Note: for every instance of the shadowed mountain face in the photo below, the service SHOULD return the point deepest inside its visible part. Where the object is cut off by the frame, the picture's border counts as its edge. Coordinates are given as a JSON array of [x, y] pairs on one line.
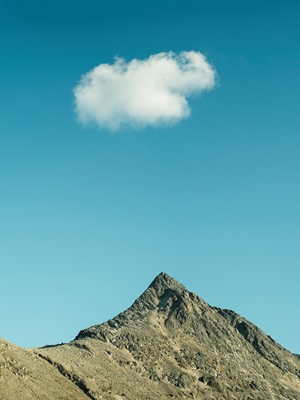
[[171, 344]]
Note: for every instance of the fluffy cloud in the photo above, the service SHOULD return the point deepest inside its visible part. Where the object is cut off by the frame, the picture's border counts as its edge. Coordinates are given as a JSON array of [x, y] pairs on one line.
[[142, 92]]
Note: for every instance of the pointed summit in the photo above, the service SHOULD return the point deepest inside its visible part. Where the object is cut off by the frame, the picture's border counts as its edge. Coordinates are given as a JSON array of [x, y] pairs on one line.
[[165, 301], [163, 295], [163, 282]]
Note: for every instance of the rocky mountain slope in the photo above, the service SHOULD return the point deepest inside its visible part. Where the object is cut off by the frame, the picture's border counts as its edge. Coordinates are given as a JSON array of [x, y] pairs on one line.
[[25, 375], [169, 344]]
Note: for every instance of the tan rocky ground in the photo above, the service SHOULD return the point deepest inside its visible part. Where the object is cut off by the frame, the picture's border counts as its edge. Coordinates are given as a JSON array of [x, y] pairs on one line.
[[169, 344], [24, 375]]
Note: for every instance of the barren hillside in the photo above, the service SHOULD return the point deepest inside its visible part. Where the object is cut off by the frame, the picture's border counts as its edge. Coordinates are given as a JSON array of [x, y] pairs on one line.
[[168, 344]]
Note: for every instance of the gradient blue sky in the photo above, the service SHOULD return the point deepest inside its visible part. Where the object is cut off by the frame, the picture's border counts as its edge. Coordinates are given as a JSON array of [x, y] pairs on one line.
[[88, 218]]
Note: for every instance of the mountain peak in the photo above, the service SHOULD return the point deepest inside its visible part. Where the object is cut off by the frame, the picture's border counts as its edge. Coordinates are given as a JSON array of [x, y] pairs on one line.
[[171, 343], [163, 295], [163, 281]]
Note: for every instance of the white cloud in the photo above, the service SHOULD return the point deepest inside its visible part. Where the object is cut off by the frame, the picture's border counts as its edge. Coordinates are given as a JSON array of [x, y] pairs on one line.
[[142, 92]]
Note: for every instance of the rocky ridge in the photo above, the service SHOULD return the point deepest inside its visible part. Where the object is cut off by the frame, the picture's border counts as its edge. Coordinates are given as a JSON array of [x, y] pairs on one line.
[[172, 344]]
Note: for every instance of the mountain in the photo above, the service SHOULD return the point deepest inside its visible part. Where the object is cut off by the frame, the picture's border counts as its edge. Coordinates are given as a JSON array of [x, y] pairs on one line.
[[169, 344]]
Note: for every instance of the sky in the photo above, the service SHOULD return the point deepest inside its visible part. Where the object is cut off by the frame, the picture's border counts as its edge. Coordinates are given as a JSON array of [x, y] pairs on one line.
[[140, 137]]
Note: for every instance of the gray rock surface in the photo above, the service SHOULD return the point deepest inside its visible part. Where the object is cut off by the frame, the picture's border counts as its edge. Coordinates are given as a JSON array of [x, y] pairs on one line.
[[172, 344], [168, 344]]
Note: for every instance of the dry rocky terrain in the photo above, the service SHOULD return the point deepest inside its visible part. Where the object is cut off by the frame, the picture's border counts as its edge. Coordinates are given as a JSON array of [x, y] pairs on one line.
[[168, 344], [25, 375]]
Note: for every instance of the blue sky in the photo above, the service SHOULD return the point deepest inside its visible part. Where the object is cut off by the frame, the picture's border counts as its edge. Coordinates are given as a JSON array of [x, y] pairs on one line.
[[88, 217]]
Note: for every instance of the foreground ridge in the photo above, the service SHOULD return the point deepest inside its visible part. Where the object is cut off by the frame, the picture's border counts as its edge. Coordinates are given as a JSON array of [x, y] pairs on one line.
[[172, 344]]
